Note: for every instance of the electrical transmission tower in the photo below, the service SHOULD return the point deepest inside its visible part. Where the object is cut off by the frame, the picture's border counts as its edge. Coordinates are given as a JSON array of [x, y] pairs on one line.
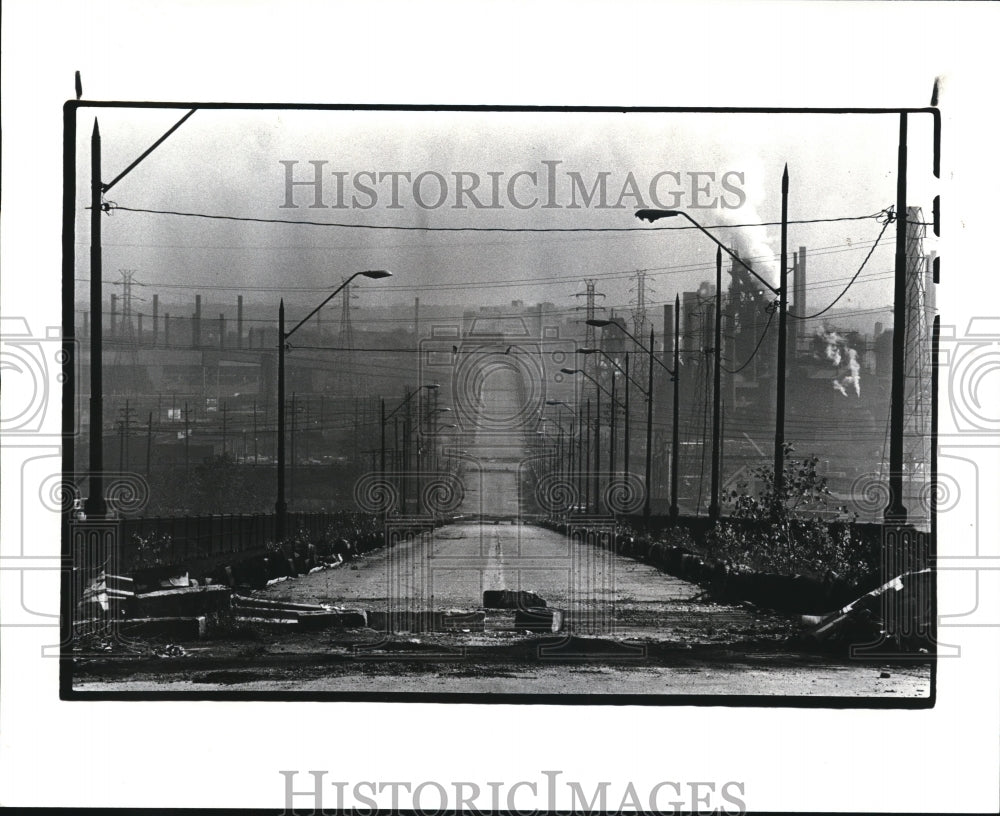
[[639, 317], [589, 339], [125, 376], [640, 324], [919, 326]]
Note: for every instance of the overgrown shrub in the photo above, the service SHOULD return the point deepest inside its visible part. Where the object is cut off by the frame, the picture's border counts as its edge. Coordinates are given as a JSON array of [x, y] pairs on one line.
[[793, 530]]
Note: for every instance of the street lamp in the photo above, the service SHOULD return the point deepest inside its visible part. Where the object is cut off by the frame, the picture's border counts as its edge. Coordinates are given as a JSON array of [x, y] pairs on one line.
[[280, 506], [628, 379], [601, 323], [386, 417], [782, 293], [570, 467], [564, 464], [597, 429]]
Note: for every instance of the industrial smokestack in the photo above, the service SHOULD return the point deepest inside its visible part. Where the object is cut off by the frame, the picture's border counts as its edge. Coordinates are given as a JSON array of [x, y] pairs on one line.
[[196, 323], [799, 287], [668, 334], [114, 314], [689, 306], [139, 329], [222, 330], [239, 321], [166, 329], [156, 318]]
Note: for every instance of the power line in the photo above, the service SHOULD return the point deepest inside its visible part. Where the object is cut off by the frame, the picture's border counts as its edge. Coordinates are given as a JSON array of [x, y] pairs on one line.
[[537, 280], [412, 228], [753, 354], [885, 226]]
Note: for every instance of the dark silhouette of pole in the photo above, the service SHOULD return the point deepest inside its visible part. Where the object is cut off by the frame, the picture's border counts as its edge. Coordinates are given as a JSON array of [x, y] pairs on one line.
[[149, 443], [280, 506], [612, 460], [597, 456], [675, 453], [96, 506], [582, 491], [649, 431], [779, 415], [586, 480], [628, 416], [780, 292], [713, 503], [382, 445], [895, 511], [291, 480]]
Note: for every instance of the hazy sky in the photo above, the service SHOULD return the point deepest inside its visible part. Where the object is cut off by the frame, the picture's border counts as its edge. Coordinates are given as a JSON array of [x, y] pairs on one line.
[[230, 163]]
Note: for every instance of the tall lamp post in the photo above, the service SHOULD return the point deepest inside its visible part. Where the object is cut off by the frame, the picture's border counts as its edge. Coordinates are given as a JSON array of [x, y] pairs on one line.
[[384, 418], [597, 431], [280, 505], [782, 294], [628, 379], [602, 323], [569, 468]]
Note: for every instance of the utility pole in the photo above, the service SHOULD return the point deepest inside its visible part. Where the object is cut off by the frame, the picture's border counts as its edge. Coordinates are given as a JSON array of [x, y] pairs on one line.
[[291, 474], [649, 431], [713, 503], [779, 419], [675, 453], [407, 448], [149, 443], [96, 507], [628, 415], [281, 506], [895, 511], [582, 489], [586, 480], [614, 411], [187, 440], [597, 456]]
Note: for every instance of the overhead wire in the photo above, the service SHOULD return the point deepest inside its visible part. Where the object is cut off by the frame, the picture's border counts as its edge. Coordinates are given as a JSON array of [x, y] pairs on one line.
[[419, 228]]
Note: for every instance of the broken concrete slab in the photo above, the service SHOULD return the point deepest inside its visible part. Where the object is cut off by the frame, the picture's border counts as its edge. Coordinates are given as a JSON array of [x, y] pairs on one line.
[[899, 611], [304, 616], [450, 620], [180, 602], [539, 619]]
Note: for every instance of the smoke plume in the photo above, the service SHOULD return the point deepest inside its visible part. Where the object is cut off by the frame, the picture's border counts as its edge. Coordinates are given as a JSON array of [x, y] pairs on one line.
[[833, 347]]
